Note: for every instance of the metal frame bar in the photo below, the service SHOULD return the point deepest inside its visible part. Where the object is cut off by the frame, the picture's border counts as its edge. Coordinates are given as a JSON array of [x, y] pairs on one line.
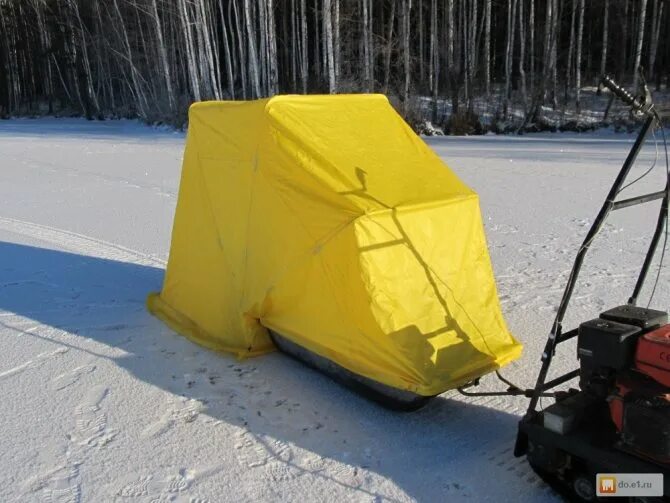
[[560, 380], [638, 200], [660, 225], [555, 336], [566, 336]]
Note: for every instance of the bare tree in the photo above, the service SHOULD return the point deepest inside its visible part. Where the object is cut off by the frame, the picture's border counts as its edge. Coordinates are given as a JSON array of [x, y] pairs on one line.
[[134, 74], [603, 56], [570, 66], [253, 58], [434, 68], [471, 52], [422, 44], [511, 16], [241, 46], [640, 40], [522, 56], [553, 64], [453, 63], [389, 47], [210, 65], [487, 47], [190, 49], [227, 53], [162, 53], [272, 49], [655, 33], [336, 40], [367, 50], [578, 57], [531, 31], [304, 68], [328, 41], [407, 6]]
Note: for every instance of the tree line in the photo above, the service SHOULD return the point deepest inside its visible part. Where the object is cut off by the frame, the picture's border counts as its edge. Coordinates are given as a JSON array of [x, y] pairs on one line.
[[437, 59]]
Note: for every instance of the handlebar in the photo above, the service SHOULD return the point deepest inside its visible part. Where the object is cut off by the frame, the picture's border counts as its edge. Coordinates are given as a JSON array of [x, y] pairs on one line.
[[642, 104], [620, 92]]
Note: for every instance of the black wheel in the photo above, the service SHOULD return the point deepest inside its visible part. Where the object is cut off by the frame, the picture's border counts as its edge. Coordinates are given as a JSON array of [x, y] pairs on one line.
[[584, 487]]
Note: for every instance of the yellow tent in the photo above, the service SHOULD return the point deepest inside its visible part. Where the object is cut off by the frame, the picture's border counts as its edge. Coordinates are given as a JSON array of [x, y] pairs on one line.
[[328, 221]]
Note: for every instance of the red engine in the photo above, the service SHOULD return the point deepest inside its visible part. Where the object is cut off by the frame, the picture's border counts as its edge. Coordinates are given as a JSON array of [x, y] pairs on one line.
[[625, 359], [640, 406], [653, 355]]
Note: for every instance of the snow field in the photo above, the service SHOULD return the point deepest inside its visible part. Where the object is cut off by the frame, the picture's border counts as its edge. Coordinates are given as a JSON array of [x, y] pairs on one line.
[[102, 402]]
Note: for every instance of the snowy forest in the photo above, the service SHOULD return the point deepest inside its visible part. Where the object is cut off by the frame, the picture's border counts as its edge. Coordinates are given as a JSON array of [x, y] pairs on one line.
[[450, 62]]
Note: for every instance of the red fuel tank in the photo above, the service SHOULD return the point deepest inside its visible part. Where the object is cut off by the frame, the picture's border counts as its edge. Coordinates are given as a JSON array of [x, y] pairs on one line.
[[653, 355]]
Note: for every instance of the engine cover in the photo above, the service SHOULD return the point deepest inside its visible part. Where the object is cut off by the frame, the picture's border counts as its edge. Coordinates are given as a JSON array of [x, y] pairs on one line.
[[609, 344], [646, 319], [653, 355]]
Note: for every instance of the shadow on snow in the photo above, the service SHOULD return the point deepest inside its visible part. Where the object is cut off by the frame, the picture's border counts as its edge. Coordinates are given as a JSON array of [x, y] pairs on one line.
[[426, 453]]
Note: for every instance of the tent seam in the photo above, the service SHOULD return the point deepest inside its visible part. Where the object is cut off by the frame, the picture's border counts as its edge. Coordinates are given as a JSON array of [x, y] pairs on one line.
[[246, 247]]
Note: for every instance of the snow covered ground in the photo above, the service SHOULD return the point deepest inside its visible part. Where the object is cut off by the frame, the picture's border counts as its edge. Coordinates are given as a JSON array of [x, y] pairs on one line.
[[101, 402]]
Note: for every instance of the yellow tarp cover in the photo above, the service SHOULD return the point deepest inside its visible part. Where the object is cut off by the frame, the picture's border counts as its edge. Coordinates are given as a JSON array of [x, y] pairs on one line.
[[327, 220]]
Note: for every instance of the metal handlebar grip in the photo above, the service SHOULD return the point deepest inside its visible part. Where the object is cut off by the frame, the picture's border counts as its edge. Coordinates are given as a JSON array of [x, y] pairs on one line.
[[620, 92]]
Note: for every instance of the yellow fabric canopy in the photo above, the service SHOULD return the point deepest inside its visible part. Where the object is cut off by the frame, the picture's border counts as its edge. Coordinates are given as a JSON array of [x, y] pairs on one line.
[[327, 220]]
